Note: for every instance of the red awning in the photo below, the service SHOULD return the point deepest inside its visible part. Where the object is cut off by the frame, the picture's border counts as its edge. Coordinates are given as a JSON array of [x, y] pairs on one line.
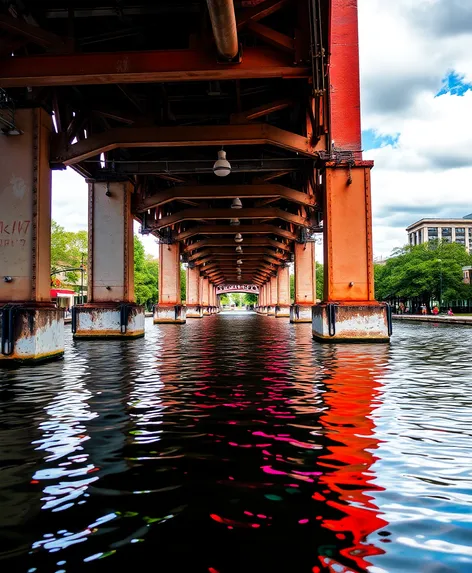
[[57, 291]]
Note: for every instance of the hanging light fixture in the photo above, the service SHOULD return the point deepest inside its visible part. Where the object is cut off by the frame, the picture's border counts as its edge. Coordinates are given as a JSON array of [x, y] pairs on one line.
[[222, 166], [238, 238], [239, 262], [239, 249], [234, 222], [236, 204]]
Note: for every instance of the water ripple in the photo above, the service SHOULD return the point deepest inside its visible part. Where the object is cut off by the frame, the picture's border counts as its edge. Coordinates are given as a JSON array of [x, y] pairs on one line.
[[236, 443]]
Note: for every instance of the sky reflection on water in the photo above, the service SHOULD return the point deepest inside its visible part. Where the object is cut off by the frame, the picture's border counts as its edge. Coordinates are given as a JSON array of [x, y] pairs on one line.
[[236, 443]]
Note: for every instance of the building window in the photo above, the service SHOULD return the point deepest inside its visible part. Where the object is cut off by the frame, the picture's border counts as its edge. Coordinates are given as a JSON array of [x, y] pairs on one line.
[[460, 231], [460, 240], [432, 233], [446, 231]]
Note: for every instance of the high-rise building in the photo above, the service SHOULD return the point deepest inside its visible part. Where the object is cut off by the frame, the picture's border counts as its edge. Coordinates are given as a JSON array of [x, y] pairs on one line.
[[448, 230]]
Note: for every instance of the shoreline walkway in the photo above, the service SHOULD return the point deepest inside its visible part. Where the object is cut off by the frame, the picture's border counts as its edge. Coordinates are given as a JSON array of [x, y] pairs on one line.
[[445, 319]]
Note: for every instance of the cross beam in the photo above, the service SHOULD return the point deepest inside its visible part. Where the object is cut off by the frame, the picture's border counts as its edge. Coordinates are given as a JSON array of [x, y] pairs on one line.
[[227, 230], [214, 214], [224, 192], [138, 67], [178, 136]]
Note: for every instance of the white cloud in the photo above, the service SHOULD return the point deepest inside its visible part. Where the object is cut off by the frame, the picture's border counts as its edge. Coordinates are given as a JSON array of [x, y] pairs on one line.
[[407, 49]]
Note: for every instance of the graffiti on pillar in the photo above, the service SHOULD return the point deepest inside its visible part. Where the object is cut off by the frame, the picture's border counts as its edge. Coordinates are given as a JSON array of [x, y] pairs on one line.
[[251, 289], [12, 233]]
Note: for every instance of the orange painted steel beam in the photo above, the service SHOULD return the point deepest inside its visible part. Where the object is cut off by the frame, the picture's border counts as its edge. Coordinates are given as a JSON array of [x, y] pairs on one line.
[[228, 230], [224, 192], [215, 214], [178, 136], [348, 255], [271, 36], [261, 111], [230, 252], [33, 34], [138, 67], [344, 80], [248, 241], [259, 12]]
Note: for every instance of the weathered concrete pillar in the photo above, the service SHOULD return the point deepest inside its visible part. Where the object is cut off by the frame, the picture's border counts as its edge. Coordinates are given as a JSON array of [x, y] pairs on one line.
[[264, 298], [110, 311], [169, 308], [283, 293], [31, 327], [211, 302], [194, 303], [272, 295], [305, 282], [349, 311], [205, 296]]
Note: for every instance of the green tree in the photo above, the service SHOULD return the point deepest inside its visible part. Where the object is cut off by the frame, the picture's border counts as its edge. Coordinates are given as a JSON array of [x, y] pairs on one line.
[[249, 298], [430, 271], [68, 250], [146, 272]]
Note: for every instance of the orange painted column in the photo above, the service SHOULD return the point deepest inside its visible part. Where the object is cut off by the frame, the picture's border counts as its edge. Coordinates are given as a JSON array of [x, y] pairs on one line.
[[283, 293], [349, 310], [110, 311], [194, 306], [263, 309], [169, 309], [205, 296], [272, 291], [35, 328], [304, 282]]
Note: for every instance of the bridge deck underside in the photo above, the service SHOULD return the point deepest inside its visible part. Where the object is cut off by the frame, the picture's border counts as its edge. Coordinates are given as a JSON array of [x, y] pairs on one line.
[[139, 93]]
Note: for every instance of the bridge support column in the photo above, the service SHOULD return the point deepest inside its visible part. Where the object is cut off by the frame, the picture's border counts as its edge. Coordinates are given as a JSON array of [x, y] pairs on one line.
[[205, 286], [349, 312], [169, 309], [305, 282], [272, 292], [265, 293], [282, 309], [110, 311], [31, 327], [211, 298], [194, 303]]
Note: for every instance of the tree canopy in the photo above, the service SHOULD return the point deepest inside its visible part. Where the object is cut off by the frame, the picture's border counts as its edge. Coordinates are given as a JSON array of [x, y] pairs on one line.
[[146, 272], [68, 250], [430, 271]]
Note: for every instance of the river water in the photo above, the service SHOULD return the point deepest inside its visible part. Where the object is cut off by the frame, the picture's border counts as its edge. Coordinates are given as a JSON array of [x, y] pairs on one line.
[[237, 444]]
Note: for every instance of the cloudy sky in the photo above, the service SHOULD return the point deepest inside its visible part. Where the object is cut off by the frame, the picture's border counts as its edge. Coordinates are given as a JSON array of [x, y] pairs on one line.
[[416, 70]]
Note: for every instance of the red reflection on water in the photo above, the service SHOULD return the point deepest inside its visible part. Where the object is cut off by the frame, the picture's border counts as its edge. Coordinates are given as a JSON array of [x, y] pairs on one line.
[[352, 396]]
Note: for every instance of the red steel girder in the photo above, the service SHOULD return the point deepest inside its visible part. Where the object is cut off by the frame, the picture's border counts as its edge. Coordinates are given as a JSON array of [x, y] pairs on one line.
[[178, 136], [136, 67], [214, 214], [227, 230], [224, 192], [248, 242]]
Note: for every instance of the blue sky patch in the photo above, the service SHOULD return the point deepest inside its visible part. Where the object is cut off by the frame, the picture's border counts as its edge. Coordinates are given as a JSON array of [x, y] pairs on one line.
[[372, 140], [454, 84]]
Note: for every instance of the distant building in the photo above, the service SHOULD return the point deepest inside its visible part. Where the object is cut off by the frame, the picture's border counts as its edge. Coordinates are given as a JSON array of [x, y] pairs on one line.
[[448, 230], [467, 275]]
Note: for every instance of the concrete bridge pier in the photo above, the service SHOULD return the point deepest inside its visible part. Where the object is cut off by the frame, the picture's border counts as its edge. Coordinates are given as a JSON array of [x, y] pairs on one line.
[[194, 302], [265, 298], [169, 309], [282, 310], [305, 282], [110, 311], [349, 312], [272, 294], [31, 327], [205, 286]]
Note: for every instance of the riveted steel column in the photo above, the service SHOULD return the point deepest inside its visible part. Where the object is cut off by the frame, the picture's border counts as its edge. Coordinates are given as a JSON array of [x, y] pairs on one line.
[[169, 309], [110, 311], [32, 327], [194, 306], [305, 282], [283, 293]]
